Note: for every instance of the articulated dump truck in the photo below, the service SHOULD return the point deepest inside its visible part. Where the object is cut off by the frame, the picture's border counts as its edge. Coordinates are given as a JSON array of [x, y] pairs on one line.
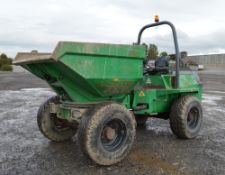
[[103, 94]]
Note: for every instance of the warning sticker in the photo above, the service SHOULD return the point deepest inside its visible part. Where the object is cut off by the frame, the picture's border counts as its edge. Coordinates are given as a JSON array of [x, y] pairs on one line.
[[141, 94]]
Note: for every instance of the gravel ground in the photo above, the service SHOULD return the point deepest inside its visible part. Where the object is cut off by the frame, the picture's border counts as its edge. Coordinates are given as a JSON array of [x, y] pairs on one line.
[[23, 149]]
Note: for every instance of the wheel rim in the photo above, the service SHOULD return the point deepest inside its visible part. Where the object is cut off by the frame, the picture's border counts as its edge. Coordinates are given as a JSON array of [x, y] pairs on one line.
[[113, 135], [59, 124], [193, 118]]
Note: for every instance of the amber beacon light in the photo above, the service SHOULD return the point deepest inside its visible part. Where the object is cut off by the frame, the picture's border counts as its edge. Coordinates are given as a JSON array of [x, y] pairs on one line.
[[156, 18]]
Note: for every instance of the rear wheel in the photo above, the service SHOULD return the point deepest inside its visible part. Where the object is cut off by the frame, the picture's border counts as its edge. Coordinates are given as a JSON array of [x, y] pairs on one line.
[[106, 133], [51, 126], [186, 117]]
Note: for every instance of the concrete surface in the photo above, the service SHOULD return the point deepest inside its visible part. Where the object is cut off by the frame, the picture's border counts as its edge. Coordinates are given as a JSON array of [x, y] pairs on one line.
[[18, 69], [23, 149], [19, 80]]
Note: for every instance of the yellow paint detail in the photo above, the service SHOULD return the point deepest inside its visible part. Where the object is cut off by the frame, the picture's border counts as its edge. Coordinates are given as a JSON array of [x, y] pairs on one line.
[[116, 79], [141, 94]]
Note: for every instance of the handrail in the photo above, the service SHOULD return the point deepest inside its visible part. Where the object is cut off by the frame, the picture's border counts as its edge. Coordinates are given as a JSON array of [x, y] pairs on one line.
[[175, 45]]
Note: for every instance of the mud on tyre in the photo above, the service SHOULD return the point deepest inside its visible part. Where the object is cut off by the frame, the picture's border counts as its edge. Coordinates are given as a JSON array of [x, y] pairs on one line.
[[186, 117], [51, 127], [106, 133]]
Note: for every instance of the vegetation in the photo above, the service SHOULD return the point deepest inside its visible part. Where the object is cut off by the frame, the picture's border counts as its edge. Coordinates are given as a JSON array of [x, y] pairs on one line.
[[5, 63], [153, 52], [163, 54]]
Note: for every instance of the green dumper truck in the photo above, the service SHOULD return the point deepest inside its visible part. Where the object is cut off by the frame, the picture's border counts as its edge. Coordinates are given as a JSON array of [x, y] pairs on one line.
[[103, 93]]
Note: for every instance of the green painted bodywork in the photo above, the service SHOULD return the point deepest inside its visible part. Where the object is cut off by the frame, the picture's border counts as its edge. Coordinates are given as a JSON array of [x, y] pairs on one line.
[[157, 91], [86, 73], [90, 72]]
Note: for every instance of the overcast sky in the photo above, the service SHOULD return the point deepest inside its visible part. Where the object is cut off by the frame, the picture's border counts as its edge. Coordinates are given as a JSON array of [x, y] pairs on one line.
[[26, 25]]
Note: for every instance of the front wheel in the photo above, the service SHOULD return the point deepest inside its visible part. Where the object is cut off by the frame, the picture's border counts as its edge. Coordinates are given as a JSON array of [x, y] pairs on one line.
[[186, 117], [51, 126], [106, 133]]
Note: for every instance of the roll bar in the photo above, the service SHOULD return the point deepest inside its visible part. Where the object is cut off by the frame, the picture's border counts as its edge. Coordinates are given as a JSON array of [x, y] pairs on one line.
[[175, 44]]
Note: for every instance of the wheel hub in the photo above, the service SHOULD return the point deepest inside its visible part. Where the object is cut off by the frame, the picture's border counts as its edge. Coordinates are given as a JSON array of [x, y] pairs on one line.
[[109, 133], [193, 117], [113, 135]]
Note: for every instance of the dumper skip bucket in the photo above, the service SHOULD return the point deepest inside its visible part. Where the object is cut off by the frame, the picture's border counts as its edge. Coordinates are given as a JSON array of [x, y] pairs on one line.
[[88, 72]]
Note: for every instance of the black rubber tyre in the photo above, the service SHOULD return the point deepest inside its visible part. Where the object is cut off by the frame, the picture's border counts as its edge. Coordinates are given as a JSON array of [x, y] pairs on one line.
[[51, 127], [106, 133], [186, 117], [141, 120]]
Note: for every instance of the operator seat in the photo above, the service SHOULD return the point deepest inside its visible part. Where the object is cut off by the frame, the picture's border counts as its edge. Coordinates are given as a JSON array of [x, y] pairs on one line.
[[161, 66]]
